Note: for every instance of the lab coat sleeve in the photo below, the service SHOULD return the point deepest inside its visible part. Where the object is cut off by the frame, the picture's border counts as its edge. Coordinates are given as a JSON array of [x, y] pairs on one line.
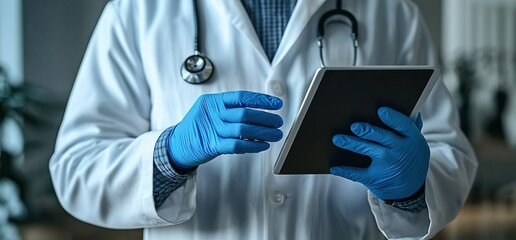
[[102, 167], [453, 163]]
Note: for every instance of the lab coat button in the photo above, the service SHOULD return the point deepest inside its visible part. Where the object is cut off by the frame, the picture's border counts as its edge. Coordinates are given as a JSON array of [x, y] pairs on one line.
[[276, 87], [278, 198]]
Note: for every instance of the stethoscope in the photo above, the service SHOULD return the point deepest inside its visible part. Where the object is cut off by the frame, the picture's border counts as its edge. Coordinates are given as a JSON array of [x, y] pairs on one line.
[[198, 68]]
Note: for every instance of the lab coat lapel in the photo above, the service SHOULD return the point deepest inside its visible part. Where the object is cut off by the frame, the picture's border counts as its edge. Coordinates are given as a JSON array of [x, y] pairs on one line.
[[235, 12], [302, 13]]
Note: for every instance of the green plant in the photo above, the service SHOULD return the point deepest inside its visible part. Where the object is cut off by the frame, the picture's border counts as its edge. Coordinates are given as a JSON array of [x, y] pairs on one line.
[[20, 105], [12, 100]]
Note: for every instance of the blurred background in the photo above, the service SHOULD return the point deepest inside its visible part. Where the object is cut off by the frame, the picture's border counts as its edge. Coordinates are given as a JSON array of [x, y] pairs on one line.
[[42, 43]]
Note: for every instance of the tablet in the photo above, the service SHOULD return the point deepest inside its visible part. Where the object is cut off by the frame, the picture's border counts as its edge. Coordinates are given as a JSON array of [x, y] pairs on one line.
[[338, 97]]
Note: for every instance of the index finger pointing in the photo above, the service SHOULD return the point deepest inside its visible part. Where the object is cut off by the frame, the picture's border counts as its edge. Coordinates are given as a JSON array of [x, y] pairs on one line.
[[251, 100]]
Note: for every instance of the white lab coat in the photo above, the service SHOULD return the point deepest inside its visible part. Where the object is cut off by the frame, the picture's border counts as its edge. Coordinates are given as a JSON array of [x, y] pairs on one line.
[[129, 89]]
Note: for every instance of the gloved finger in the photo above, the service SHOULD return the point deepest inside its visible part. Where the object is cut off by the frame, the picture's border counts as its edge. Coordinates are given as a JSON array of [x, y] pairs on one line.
[[251, 116], [419, 122], [396, 120], [351, 173], [375, 134], [358, 145], [247, 131], [239, 146], [251, 99]]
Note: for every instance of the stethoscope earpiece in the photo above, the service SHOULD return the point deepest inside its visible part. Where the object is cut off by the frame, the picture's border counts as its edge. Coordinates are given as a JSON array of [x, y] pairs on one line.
[[197, 69]]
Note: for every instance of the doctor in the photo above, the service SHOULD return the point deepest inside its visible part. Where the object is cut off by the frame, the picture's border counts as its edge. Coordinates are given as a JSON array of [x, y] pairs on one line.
[[139, 147]]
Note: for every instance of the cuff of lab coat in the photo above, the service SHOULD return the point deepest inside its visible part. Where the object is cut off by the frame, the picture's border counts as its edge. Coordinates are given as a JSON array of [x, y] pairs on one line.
[[179, 206], [399, 224]]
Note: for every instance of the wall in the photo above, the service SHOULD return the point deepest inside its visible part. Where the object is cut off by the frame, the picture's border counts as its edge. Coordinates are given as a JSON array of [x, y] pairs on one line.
[[432, 13], [483, 33], [11, 57]]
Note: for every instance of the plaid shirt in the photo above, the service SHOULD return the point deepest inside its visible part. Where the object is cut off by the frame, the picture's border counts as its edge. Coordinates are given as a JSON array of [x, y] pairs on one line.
[[165, 178], [270, 18]]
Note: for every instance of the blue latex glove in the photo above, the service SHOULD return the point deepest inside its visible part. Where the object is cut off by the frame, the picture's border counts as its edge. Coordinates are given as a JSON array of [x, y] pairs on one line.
[[399, 159], [225, 123]]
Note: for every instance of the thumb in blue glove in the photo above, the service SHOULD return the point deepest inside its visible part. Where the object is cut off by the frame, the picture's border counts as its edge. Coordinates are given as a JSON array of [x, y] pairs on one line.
[[400, 159], [225, 123]]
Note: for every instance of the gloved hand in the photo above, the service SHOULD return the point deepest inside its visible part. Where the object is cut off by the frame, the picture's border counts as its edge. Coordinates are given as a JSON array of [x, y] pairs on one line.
[[399, 159], [225, 123]]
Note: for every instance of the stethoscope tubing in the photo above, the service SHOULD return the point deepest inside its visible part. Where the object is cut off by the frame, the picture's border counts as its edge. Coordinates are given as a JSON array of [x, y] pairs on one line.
[[191, 74]]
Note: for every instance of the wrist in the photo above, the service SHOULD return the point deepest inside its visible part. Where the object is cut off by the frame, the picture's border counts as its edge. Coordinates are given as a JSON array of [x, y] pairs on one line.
[[178, 167], [415, 195], [415, 203]]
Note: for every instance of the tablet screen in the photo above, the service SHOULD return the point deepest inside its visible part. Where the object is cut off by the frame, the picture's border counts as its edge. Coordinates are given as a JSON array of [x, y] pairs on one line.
[[341, 98]]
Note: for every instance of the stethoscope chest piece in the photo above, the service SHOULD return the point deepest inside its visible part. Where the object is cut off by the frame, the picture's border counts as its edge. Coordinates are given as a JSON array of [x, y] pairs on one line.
[[196, 69]]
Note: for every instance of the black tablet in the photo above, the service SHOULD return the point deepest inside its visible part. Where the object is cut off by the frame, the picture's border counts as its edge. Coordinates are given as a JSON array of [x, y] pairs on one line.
[[338, 97]]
